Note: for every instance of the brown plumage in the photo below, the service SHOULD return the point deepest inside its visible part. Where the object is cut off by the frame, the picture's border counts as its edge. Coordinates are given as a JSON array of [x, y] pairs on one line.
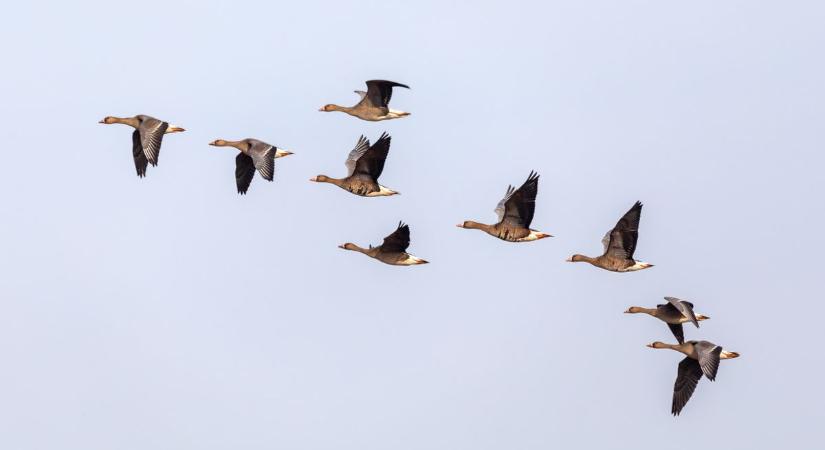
[[619, 245], [674, 313], [374, 104], [515, 214], [393, 251], [364, 165], [146, 138], [701, 358], [254, 155]]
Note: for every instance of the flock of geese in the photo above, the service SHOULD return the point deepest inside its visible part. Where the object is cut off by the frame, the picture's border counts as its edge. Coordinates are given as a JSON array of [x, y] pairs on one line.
[[515, 215]]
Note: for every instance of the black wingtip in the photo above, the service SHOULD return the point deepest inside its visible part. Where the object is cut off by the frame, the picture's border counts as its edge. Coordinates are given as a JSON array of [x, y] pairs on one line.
[[390, 83]]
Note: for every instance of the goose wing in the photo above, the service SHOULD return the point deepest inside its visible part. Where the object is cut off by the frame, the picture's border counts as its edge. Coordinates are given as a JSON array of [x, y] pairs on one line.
[[622, 238], [708, 353], [500, 208], [678, 331], [399, 240], [687, 377], [371, 162], [520, 204], [244, 172], [356, 153], [379, 92], [137, 153], [151, 135], [684, 308], [263, 157]]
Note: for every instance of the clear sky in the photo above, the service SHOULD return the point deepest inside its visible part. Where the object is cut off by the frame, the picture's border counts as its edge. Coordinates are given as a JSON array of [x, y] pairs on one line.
[[171, 313]]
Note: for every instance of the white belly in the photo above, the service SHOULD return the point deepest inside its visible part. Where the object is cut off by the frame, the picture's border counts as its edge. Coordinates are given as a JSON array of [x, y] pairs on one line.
[[638, 266]]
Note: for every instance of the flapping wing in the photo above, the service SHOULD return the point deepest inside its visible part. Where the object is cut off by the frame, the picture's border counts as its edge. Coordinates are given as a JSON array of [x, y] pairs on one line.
[[500, 207], [137, 153], [361, 147], [244, 171], [687, 377], [263, 157], [623, 236], [372, 161], [708, 358], [151, 136], [678, 332], [521, 203], [379, 92], [399, 240], [684, 308]]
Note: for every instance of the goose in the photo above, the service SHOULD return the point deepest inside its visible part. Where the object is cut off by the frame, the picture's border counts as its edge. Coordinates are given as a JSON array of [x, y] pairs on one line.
[[394, 249], [374, 103], [515, 213], [701, 357], [674, 313], [146, 138], [364, 165], [254, 154], [619, 245]]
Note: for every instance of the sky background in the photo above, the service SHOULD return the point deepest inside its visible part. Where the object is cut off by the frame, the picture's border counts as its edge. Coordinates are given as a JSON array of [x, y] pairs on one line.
[[171, 313]]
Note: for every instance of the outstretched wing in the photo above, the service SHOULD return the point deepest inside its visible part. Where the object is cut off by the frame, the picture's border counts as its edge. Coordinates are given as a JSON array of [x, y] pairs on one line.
[[361, 147], [684, 308], [244, 171], [708, 358], [500, 207], [151, 135], [623, 237], [521, 203], [687, 377], [263, 157], [137, 153], [372, 161], [678, 331], [379, 92], [399, 240]]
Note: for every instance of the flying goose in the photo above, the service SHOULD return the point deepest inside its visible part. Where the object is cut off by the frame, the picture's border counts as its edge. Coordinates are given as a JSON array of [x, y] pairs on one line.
[[394, 249], [254, 154], [515, 213], [674, 313], [702, 357], [146, 138], [619, 245], [374, 103], [364, 165]]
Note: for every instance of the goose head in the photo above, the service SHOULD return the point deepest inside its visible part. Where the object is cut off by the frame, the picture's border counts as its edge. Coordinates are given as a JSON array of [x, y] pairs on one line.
[[280, 153], [219, 143], [469, 224], [658, 344], [634, 310], [320, 179], [348, 246], [330, 107], [577, 258], [108, 120]]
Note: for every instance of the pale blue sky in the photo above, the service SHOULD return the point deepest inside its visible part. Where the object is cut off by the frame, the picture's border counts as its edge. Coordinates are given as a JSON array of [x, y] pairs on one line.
[[171, 313]]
